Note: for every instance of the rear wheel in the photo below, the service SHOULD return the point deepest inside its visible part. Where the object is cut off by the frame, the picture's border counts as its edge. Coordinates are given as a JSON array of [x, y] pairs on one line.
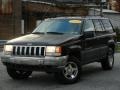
[[108, 62], [70, 73], [18, 74]]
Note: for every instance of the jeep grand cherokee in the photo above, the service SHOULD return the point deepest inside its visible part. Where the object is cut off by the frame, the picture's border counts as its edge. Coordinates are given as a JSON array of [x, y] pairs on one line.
[[61, 46]]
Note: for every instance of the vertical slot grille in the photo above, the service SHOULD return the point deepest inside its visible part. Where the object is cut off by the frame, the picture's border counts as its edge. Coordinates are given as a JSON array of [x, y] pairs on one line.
[[29, 50]]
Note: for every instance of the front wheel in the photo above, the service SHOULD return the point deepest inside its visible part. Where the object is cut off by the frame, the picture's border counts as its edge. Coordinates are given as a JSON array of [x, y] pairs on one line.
[[18, 74], [108, 62], [70, 73]]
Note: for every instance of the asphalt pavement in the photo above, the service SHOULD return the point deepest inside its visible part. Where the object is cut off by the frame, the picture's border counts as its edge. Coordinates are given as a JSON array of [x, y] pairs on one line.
[[92, 78]]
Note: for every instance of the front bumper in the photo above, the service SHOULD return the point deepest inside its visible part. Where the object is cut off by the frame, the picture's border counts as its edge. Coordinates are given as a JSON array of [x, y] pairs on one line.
[[35, 61]]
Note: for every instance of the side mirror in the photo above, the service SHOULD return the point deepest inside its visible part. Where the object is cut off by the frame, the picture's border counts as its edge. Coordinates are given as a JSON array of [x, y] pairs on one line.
[[88, 34]]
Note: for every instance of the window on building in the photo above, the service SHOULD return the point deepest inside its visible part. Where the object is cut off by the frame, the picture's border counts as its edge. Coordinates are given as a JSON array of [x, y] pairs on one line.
[[6, 7]]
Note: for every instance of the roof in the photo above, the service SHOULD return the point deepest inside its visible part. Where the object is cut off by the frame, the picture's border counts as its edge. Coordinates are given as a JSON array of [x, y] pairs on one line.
[[79, 17], [64, 1], [53, 2], [39, 1]]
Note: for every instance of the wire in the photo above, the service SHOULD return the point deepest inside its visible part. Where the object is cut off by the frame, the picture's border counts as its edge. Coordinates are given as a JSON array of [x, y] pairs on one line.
[[46, 11]]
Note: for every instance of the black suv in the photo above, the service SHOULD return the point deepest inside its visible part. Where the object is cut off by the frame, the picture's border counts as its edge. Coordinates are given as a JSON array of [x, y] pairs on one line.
[[61, 46]]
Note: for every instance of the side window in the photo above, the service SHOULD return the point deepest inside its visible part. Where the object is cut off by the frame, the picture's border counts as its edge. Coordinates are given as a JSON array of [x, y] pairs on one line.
[[89, 30], [98, 26], [88, 26], [107, 25]]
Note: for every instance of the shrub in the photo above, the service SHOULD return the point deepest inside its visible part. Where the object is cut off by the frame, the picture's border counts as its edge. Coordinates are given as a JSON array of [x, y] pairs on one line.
[[117, 30]]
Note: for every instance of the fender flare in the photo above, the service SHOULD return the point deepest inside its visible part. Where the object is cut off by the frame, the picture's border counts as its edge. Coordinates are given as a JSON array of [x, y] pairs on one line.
[[75, 50], [111, 43], [75, 47]]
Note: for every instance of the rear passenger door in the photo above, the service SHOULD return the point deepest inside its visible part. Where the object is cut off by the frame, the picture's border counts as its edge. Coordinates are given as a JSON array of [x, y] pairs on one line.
[[101, 37], [100, 33], [90, 52]]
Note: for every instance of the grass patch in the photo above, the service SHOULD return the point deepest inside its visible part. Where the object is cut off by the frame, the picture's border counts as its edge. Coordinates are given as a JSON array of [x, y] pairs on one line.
[[117, 48]]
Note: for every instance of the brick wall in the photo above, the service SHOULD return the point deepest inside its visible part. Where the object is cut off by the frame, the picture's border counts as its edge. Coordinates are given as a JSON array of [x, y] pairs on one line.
[[115, 5], [10, 25], [36, 11]]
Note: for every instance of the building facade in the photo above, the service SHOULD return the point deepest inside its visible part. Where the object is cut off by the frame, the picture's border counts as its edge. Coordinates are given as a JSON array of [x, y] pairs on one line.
[[19, 17], [114, 5], [43, 10], [10, 18]]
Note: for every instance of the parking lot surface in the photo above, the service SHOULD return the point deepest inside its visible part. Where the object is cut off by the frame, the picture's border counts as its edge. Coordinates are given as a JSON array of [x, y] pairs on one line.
[[92, 78]]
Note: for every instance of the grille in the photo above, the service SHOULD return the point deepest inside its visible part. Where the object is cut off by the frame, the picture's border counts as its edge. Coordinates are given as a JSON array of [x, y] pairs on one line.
[[29, 50]]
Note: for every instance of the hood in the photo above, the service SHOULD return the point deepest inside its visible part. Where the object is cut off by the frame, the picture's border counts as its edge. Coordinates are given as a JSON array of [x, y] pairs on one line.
[[41, 39]]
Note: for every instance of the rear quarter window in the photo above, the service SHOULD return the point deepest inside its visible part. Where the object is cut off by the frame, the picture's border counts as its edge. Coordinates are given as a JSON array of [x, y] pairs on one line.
[[107, 25]]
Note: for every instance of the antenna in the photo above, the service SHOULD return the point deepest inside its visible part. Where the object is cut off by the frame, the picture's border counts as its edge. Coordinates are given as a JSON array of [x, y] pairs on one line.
[[46, 11]]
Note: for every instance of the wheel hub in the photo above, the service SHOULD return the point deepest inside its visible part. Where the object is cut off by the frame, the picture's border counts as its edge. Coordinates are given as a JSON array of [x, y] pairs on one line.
[[71, 70], [110, 57]]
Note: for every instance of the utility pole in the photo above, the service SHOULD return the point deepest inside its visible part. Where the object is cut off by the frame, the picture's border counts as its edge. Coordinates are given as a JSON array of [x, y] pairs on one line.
[[101, 7]]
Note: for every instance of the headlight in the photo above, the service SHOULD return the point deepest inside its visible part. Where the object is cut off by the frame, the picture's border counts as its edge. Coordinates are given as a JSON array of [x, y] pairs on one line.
[[53, 51], [8, 49]]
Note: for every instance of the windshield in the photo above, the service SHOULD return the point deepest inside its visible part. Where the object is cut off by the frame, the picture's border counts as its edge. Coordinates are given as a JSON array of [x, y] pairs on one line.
[[59, 27]]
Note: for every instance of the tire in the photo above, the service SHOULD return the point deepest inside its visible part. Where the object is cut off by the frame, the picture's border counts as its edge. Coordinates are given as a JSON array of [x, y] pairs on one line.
[[48, 72], [108, 62], [71, 72], [18, 74]]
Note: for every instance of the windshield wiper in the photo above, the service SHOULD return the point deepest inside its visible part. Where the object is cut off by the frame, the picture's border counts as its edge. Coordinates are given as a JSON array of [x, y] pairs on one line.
[[54, 33], [38, 33]]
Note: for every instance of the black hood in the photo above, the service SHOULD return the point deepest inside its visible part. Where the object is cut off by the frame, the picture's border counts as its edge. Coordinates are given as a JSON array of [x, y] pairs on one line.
[[43, 40]]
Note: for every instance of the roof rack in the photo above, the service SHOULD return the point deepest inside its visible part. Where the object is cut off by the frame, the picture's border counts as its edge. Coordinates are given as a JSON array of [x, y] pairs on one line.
[[77, 17]]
